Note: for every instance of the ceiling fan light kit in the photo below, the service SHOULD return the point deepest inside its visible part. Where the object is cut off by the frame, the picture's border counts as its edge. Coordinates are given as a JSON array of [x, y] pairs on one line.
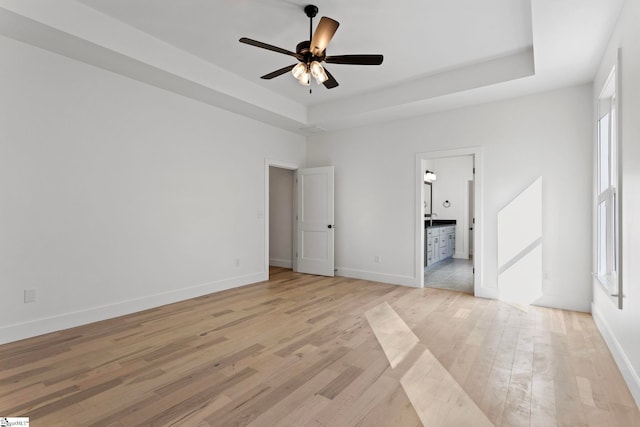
[[300, 72], [317, 71], [312, 53]]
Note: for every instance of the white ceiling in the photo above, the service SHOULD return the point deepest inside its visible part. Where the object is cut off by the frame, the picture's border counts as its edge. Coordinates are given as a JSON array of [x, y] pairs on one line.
[[438, 54], [417, 38]]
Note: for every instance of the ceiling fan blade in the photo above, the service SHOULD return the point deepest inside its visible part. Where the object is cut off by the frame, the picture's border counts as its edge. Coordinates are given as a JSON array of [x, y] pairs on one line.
[[331, 82], [269, 47], [355, 59], [279, 72], [324, 33]]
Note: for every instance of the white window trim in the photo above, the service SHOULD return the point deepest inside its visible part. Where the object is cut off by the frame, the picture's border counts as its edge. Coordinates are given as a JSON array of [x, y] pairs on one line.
[[610, 279]]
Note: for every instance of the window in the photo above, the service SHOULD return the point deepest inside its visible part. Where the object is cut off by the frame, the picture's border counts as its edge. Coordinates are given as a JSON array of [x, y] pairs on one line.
[[607, 219]]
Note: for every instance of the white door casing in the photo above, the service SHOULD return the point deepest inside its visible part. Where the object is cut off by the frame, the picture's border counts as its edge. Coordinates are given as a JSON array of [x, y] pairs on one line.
[[478, 238], [264, 213], [315, 221]]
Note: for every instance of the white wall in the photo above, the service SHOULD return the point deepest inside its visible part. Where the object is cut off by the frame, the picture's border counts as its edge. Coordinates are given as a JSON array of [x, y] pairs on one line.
[[453, 175], [621, 328], [546, 135], [280, 217], [117, 196]]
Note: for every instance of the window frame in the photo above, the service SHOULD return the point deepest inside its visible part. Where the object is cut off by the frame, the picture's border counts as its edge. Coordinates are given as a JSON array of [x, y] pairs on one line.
[[608, 261]]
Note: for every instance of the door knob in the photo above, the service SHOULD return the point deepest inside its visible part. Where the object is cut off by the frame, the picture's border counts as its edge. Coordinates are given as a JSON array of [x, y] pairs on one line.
[[330, 226]]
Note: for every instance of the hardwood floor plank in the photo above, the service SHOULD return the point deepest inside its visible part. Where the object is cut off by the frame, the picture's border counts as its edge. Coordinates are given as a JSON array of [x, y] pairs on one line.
[[395, 337], [437, 397], [207, 369], [543, 402], [23, 376], [346, 377], [271, 369], [195, 402], [251, 409], [198, 418], [299, 402], [394, 410], [304, 413], [518, 401], [349, 410], [70, 400], [28, 406], [299, 350]]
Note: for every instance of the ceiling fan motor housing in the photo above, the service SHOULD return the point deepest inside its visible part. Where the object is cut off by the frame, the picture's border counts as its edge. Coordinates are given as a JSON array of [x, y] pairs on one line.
[[303, 49]]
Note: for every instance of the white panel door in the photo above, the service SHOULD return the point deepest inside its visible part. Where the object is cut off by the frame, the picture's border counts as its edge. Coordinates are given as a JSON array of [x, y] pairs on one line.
[[315, 227]]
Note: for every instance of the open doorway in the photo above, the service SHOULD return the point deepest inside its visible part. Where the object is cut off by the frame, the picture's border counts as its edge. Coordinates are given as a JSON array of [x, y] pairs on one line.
[[299, 211], [447, 199], [280, 239], [281, 196]]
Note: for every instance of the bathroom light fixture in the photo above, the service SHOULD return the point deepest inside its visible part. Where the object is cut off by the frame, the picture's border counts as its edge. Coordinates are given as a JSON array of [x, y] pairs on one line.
[[429, 176]]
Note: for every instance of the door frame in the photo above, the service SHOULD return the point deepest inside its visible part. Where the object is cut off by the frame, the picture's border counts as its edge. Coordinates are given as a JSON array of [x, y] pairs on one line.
[[283, 165], [470, 216], [478, 241]]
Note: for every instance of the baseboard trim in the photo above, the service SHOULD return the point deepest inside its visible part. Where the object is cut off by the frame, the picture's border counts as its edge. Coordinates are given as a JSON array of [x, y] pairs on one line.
[[489, 293], [284, 263], [374, 276], [626, 368], [60, 322], [555, 301]]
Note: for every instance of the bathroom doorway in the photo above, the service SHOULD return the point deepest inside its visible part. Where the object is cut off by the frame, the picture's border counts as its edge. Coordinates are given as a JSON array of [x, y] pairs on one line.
[[448, 199]]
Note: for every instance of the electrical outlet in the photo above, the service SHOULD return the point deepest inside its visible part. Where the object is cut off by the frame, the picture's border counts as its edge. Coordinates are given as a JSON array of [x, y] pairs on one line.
[[237, 262], [29, 295], [376, 259]]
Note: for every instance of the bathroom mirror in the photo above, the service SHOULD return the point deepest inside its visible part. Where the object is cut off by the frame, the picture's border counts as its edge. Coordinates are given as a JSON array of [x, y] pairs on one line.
[[428, 200]]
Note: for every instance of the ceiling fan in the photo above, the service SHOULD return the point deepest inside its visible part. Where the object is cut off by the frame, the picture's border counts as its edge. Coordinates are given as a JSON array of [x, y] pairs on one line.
[[312, 53]]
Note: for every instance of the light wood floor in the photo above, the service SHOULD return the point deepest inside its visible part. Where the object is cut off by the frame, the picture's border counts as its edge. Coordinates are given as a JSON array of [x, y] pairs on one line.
[[298, 350]]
